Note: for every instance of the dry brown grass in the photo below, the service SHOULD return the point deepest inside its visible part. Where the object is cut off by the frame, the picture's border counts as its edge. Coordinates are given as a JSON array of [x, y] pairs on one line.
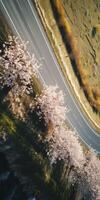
[[91, 91]]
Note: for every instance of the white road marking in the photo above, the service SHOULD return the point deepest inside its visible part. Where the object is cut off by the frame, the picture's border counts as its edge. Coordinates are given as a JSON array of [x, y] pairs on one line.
[[58, 68]]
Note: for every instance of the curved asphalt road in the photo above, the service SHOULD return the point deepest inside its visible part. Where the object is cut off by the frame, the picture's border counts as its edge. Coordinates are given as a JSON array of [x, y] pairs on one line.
[[24, 21]]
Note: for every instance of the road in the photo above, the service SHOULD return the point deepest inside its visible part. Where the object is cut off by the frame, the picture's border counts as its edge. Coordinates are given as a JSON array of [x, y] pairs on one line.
[[24, 21]]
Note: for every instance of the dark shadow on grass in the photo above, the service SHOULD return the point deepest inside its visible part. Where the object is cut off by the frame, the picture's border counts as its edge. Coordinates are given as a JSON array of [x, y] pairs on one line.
[[28, 156]]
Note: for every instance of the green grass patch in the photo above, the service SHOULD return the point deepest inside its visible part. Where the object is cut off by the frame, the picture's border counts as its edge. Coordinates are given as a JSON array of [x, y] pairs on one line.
[[7, 123]]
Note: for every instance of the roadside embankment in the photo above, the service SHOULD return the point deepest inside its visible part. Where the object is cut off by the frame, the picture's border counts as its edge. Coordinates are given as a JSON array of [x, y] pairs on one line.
[[60, 34]]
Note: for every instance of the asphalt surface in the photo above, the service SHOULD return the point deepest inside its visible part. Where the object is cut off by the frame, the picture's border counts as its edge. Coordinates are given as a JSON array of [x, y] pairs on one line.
[[24, 21]]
